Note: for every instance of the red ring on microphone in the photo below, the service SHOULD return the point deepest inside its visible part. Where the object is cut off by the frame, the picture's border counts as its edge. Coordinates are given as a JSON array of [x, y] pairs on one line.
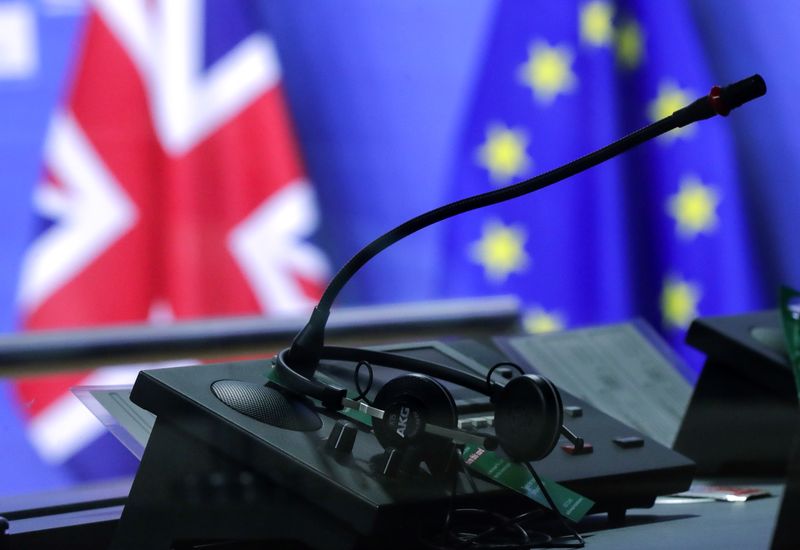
[[715, 99]]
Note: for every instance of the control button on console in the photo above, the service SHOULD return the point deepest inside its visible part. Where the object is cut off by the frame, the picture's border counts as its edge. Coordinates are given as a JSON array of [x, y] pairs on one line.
[[482, 423], [573, 411], [342, 437], [466, 425], [629, 442], [572, 450], [389, 462]]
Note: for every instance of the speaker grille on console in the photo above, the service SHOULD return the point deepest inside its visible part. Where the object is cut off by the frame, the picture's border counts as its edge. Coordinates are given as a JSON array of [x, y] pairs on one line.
[[267, 405]]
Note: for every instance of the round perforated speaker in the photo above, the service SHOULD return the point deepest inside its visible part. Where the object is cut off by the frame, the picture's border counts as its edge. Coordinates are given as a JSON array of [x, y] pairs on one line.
[[267, 405]]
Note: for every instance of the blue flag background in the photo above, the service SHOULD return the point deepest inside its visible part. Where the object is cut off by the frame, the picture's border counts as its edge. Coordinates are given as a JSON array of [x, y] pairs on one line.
[[394, 104], [660, 232]]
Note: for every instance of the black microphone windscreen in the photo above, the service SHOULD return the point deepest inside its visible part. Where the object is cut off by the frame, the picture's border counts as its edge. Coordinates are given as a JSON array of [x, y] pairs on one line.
[[743, 91]]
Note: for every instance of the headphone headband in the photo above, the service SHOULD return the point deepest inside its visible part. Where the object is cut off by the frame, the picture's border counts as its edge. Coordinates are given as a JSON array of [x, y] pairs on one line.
[[332, 396]]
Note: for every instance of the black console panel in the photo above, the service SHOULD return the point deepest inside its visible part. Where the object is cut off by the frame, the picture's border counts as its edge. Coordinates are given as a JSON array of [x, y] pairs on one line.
[[210, 472]]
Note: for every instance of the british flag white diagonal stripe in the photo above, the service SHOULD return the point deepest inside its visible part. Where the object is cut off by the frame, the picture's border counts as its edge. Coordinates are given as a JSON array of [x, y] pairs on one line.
[[270, 242], [91, 208]]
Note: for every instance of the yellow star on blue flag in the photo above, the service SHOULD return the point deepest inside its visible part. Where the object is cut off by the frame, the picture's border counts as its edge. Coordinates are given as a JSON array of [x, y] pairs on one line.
[[630, 44], [671, 97], [694, 207], [548, 71], [679, 301], [500, 250], [539, 321], [504, 153], [597, 28]]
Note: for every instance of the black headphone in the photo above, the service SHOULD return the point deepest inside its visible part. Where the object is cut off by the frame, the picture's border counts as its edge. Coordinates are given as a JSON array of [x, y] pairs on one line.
[[417, 410]]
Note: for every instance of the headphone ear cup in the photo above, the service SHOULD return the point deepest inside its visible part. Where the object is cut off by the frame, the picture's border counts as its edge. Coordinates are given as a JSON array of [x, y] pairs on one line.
[[409, 403], [528, 417]]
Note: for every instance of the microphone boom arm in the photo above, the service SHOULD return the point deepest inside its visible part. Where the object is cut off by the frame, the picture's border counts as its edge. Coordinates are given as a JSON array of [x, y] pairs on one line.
[[307, 345]]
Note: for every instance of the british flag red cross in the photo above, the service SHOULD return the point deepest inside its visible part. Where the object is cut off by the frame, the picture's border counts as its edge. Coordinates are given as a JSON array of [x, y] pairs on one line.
[[173, 188]]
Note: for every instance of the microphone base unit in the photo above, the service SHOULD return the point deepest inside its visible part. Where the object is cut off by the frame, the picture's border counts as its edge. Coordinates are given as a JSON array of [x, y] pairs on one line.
[[212, 473], [743, 413]]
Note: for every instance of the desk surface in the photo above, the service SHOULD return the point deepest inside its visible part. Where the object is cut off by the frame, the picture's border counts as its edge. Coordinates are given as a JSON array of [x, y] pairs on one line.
[[691, 525], [665, 526]]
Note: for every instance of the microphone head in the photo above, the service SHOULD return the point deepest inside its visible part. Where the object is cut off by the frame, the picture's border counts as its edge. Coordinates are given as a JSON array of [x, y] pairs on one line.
[[725, 99], [720, 101]]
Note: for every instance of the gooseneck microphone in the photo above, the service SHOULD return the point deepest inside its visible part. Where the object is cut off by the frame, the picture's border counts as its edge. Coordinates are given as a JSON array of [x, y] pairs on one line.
[[301, 360], [528, 413], [415, 414]]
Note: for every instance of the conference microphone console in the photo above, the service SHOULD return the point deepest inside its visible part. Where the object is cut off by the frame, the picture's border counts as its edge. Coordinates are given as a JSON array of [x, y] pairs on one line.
[[223, 463]]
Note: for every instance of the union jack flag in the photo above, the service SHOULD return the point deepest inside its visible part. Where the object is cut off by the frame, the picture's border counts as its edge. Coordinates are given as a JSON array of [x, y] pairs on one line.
[[173, 189]]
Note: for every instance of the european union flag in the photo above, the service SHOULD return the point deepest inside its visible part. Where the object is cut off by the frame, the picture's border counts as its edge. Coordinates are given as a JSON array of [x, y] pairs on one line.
[[659, 232]]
